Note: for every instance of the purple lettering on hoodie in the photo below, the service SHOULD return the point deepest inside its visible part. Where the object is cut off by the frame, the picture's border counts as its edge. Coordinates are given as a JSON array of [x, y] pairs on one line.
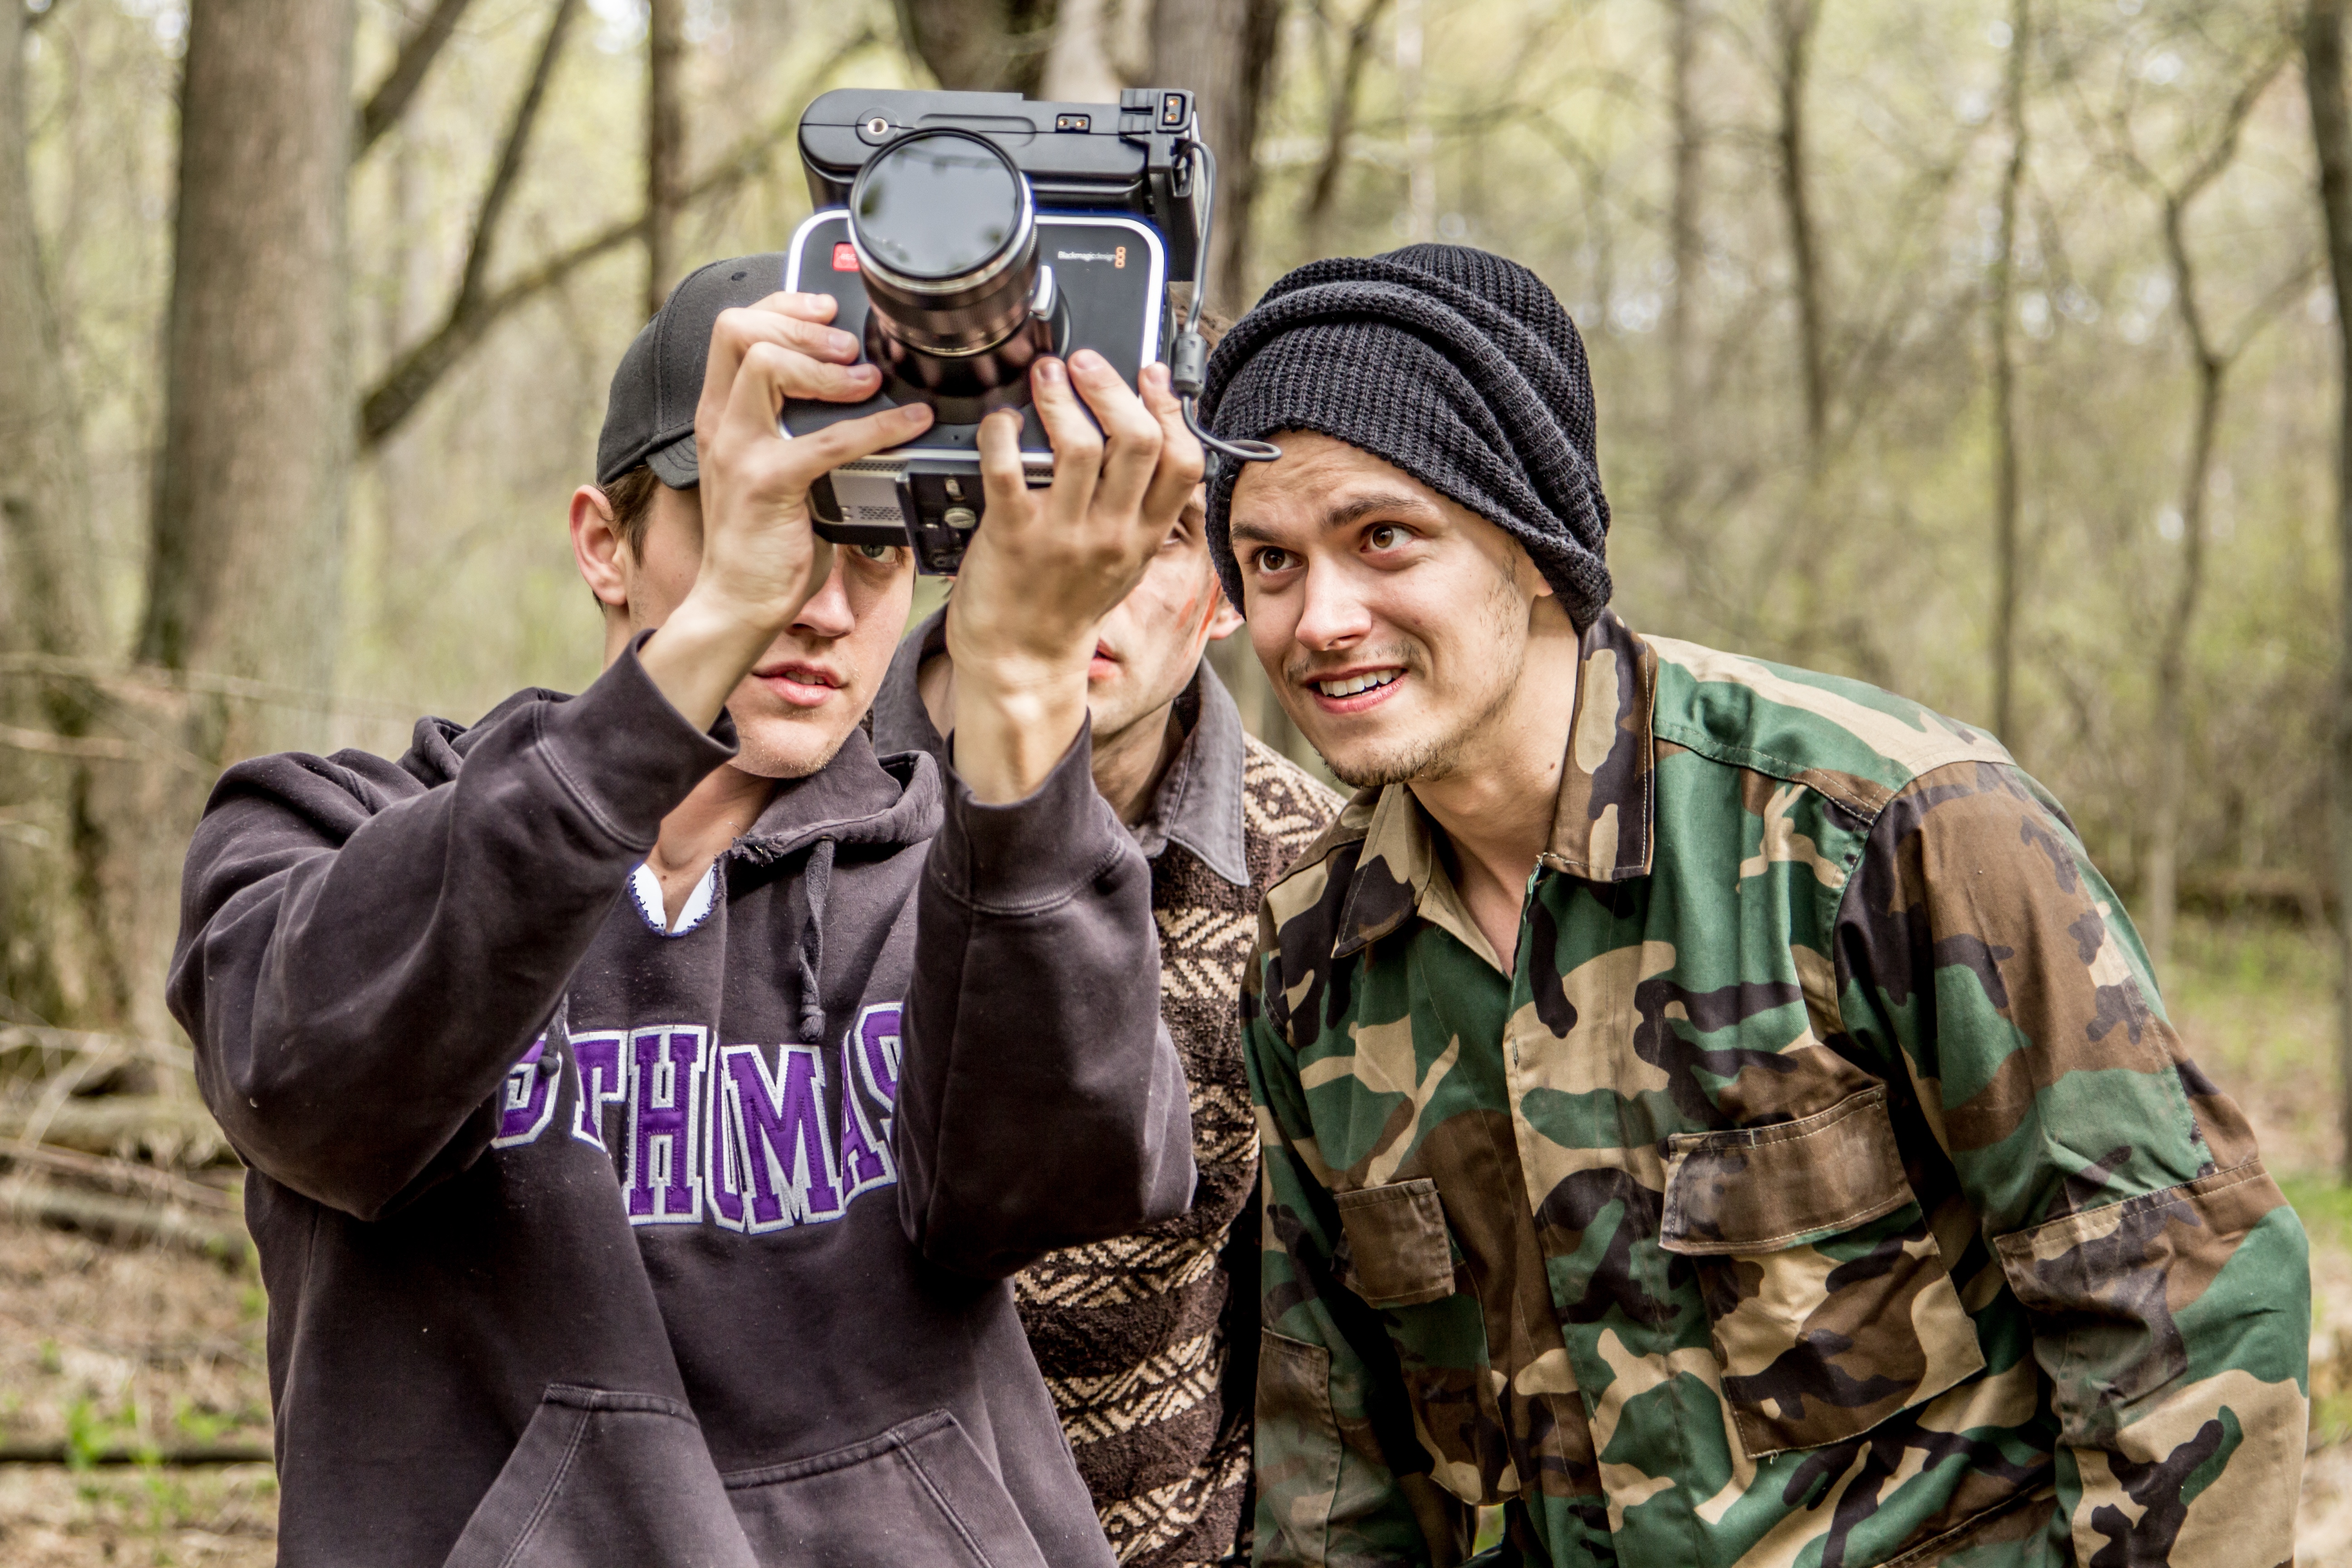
[[664, 1178], [877, 1038], [872, 1045], [773, 1165], [603, 1081], [527, 1102]]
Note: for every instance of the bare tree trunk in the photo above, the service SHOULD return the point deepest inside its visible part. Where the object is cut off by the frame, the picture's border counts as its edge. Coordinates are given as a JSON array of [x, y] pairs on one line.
[[2211, 360], [1079, 67], [1682, 342], [2331, 127], [1420, 142], [47, 571], [256, 433], [1796, 20], [980, 45], [54, 959], [665, 145], [1223, 50], [391, 97], [1340, 126], [2005, 392], [2163, 894]]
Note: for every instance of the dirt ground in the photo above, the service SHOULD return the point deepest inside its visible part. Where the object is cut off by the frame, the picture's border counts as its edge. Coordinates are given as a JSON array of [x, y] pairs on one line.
[[113, 1347]]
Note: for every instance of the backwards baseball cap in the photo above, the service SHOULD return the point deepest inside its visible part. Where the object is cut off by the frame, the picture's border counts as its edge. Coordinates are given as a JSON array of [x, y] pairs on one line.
[[649, 416]]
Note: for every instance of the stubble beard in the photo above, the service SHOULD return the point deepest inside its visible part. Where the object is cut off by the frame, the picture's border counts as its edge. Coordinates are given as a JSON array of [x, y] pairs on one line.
[[776, 762], [1426, 758], [769, 746]]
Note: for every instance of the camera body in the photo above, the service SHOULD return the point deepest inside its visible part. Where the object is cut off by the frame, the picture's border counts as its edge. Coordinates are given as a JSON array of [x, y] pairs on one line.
[[964, 233]]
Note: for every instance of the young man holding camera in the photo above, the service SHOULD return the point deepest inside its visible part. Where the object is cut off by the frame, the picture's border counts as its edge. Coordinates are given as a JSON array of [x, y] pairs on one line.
[[649, 1093], [1149, 1343], [1716, 1111]]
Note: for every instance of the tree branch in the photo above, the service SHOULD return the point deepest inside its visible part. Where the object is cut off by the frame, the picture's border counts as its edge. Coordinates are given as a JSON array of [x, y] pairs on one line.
[[397, 393], [1342, 123], [99, 747], [385, 105], [511, 154], [2177, 198]]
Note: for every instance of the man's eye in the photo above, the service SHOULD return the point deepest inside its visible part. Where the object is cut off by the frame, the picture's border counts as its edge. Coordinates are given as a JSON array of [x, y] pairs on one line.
[[878, 551], [1274, 559], [1387, 536]]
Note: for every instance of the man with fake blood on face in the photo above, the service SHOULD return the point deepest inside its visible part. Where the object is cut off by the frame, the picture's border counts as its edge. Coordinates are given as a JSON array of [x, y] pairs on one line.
[[1149, 1342]]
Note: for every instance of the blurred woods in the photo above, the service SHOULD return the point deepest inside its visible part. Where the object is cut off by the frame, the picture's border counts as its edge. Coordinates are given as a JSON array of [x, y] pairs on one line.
[[1984, 349]]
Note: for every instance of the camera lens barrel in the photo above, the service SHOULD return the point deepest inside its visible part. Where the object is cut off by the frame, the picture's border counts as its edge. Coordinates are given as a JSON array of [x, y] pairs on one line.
[[959, 302], [946, 233]]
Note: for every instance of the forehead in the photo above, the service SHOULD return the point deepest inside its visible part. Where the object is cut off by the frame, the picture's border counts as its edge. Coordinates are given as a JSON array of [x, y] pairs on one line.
[[1318, 479]]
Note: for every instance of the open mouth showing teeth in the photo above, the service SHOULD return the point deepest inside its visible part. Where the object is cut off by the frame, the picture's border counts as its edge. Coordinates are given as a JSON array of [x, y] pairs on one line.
[[1349, 686]]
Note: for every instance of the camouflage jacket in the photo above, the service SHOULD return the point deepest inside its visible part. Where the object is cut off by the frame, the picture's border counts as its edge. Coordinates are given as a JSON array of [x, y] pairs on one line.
[[1823, 1185]]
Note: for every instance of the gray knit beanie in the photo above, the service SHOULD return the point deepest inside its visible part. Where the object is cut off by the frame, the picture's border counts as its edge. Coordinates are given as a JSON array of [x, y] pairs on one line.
[[1455, 366]]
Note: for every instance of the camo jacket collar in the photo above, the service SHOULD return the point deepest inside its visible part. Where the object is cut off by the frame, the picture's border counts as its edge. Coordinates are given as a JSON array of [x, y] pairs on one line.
[[1603, 825]]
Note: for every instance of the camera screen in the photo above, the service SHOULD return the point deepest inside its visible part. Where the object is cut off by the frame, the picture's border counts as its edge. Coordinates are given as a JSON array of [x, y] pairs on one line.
[[938, 206]]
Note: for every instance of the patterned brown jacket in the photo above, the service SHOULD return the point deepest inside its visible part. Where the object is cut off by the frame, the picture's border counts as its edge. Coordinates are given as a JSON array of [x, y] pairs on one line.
[[1146, 1343]]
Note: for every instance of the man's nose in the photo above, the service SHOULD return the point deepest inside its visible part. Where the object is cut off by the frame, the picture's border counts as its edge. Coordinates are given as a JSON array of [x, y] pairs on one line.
[[1331, 614], [827, 614]]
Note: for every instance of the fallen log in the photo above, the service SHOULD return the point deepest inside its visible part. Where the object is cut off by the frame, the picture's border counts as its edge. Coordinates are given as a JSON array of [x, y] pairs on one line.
[[162, 1186], [194, 1454], [123, 1219], [168, 1129]]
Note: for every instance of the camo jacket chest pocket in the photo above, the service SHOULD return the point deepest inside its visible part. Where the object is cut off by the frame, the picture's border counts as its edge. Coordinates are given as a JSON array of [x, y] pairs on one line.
[[1398, 1251], [1826, 1291], [1400, 1257]]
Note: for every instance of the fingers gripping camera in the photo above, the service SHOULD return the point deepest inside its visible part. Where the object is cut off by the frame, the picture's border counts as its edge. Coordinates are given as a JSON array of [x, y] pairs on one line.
[[966, 234]]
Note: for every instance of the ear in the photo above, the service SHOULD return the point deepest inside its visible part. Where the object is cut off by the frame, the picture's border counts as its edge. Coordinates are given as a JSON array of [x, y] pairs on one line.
[[1223, 620], [1530, 575], [597, 547]]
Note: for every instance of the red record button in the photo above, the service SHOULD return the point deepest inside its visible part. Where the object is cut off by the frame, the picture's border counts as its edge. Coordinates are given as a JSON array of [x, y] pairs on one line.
[[844, 257]]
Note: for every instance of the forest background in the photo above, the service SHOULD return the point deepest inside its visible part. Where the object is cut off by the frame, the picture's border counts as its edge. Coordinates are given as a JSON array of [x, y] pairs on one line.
[[1988, 350]]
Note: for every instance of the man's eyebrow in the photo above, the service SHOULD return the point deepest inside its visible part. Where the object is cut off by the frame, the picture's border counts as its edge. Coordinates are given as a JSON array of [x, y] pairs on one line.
[[1357, 507], [1353, 510]]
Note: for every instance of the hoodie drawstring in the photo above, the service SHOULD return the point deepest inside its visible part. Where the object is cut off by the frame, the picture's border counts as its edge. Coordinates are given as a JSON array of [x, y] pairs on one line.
[[817, 880]]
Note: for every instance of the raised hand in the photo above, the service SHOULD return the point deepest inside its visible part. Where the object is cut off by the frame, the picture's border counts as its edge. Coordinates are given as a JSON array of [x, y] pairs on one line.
[[761, 558], [1045, 566]]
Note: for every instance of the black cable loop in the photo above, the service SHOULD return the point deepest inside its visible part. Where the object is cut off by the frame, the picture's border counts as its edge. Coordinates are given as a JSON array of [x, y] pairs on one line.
[[1192, 355]]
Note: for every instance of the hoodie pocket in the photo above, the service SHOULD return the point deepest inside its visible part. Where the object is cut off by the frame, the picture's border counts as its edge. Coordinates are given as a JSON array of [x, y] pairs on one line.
[[918, 1493], [601, 1478], [1831, 1305]]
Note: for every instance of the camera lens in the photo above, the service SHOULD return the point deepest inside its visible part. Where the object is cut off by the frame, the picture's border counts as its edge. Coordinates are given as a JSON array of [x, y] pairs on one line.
[[934, 209], [946, 234]]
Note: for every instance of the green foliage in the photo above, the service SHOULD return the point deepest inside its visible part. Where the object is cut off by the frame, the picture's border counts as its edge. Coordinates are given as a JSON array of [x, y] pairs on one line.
[[201, 1425], [2324, 1207]]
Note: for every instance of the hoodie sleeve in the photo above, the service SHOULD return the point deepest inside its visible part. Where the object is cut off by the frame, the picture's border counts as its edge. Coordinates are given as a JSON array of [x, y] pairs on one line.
[[358, 980], [1040, 1104]]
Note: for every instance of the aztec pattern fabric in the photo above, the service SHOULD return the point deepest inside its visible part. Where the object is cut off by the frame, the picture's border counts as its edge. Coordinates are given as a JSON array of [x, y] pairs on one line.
[[1133, 1335], [1824, 1184]]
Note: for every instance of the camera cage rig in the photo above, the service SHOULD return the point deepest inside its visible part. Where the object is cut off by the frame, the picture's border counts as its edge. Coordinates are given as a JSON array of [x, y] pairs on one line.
[[1092, 169]]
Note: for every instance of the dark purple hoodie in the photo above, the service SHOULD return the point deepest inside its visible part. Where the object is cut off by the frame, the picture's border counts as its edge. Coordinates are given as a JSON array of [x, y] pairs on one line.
[[588, 1242]]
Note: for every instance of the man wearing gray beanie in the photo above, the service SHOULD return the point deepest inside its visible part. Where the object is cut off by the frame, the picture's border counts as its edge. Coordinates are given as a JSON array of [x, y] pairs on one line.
[[1714, 1112]]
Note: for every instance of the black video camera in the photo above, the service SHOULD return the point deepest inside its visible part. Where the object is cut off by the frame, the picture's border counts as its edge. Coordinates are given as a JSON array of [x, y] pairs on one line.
[[966, 234]]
